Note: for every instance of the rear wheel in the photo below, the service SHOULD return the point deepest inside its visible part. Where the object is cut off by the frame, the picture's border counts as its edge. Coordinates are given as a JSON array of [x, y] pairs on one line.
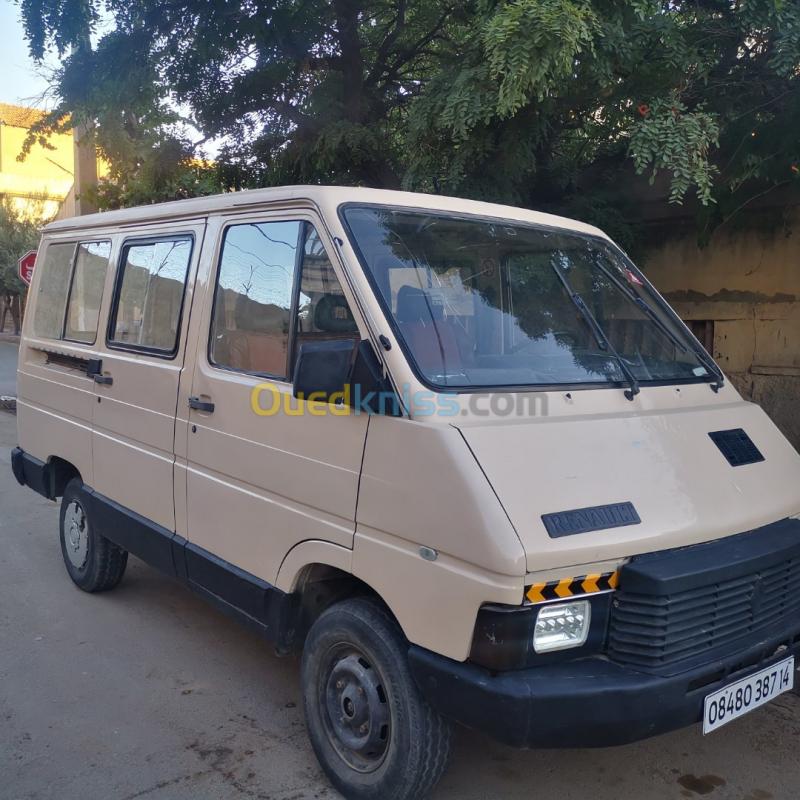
[[374, 734], [94, 563]]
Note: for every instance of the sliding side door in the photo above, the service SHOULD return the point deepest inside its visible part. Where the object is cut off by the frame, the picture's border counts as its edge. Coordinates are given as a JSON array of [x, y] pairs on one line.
[[137, 382]]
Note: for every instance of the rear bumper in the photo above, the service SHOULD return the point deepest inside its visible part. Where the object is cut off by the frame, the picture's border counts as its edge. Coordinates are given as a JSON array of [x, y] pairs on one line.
[[588, 703], [29, 471]]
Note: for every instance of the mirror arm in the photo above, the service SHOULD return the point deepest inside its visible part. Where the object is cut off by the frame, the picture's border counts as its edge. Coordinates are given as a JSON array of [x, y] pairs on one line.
[[370, 383]]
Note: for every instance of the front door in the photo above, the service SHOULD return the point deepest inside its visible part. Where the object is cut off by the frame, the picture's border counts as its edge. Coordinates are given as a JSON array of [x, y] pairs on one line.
[[142, 358], [262, 472]]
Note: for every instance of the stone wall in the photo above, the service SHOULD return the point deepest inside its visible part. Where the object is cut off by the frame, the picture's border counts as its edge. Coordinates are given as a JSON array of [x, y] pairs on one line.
[[747, 280]]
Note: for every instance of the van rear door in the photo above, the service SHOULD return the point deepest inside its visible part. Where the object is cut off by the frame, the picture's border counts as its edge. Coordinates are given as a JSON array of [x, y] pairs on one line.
[[55, 395]]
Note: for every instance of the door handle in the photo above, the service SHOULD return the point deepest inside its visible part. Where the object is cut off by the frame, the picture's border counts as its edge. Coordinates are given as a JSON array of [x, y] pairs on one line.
[[94, 369], [201, 405]]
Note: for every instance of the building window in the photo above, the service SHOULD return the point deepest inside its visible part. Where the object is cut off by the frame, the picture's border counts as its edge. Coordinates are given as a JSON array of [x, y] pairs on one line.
[[703, 329]]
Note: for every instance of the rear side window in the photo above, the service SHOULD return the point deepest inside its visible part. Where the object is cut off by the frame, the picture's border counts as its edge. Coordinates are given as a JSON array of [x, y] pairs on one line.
[[51, 298], [71, 291], [149, 295], [86, 292], [253, 299]]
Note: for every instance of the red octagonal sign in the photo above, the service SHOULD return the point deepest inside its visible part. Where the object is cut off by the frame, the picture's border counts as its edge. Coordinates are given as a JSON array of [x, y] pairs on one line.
[[26, 265]]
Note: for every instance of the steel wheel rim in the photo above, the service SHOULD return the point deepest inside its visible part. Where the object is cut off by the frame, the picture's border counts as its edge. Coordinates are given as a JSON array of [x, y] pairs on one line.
[[355, 708], [76, 534]]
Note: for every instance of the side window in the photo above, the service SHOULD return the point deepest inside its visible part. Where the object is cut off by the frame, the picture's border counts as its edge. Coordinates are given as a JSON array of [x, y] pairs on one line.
[[149, 296], [71, 290], [253, 298], [323, 311], [51, 298], [86, 292]]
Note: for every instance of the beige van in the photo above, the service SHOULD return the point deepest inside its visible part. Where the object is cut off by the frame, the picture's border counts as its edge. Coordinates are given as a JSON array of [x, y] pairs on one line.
[[462, 455]]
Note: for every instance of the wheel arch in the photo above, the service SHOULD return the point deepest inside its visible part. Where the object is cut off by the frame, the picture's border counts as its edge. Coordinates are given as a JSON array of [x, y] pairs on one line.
[[59, 473], [319, 574]]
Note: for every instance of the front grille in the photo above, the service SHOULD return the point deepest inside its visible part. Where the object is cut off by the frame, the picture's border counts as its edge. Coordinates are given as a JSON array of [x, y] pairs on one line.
[[660, 631]]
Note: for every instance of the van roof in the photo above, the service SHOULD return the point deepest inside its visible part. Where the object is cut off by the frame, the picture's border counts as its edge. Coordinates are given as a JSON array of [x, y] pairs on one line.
[[325, 197]]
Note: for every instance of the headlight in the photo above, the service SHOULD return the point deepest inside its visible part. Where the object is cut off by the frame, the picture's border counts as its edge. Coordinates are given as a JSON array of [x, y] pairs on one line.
[[515, 637], [562, 625]]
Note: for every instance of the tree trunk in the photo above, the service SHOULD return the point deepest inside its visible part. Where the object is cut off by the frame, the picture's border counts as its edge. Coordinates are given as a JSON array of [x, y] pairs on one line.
[[346, 12], [16, 316]]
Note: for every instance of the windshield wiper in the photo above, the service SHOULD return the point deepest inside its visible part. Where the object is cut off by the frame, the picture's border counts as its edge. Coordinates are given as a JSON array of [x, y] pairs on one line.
[[643, 304], [702, 355], [600, 337]]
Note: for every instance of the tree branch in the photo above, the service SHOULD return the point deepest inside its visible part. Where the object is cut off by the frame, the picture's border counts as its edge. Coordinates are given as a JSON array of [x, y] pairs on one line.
[[386, 45]]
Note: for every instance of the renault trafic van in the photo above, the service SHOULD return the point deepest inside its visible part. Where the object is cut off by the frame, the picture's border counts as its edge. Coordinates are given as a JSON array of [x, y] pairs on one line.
[[463, 456]]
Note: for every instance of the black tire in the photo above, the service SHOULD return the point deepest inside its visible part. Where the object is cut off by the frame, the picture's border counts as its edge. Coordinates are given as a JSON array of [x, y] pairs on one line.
[[94, 563], [356, 678]]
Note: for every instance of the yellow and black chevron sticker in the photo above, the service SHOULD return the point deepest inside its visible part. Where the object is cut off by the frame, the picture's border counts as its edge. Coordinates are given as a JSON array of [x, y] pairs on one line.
[[571, 587]]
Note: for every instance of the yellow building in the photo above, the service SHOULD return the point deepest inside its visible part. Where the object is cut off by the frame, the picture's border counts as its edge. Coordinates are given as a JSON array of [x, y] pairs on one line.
[[38, 185]]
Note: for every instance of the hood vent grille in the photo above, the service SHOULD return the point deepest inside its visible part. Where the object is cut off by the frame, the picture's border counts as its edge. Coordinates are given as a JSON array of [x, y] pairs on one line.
[[737, 447]]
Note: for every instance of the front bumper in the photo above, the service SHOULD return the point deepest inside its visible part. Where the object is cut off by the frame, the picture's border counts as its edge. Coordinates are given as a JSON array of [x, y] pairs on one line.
[[684, 623], [591, 702]]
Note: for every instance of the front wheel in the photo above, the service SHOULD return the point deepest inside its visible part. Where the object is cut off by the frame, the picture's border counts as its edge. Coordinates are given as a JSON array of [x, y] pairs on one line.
[[374, 734], [94, 563]]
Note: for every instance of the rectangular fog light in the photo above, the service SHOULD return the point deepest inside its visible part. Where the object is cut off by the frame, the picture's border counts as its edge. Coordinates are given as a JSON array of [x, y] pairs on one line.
[[562, 625]]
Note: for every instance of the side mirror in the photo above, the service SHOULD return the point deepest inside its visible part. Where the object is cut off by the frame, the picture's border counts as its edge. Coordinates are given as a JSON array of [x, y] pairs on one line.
[[323, 368], [329, 367]]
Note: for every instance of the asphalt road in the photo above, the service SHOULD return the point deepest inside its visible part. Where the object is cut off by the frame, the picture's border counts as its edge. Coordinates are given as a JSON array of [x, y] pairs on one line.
[[8, 368], [147, 692]]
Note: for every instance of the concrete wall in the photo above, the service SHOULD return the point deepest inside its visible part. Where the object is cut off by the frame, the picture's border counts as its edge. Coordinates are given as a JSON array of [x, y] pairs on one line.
[[748, 281]]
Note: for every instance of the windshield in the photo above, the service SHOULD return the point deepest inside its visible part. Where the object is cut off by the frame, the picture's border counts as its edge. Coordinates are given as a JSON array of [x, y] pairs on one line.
[[487, 303]]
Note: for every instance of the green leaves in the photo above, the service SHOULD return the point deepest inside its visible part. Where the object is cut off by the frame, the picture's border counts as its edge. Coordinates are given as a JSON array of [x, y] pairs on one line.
[[533, 45], [556, 104], [787, 41], [18, 234], [679, 141], [519, 54], [61, 24]]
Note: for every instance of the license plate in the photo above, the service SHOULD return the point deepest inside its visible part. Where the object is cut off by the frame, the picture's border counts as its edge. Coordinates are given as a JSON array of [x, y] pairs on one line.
[[747, 694]]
